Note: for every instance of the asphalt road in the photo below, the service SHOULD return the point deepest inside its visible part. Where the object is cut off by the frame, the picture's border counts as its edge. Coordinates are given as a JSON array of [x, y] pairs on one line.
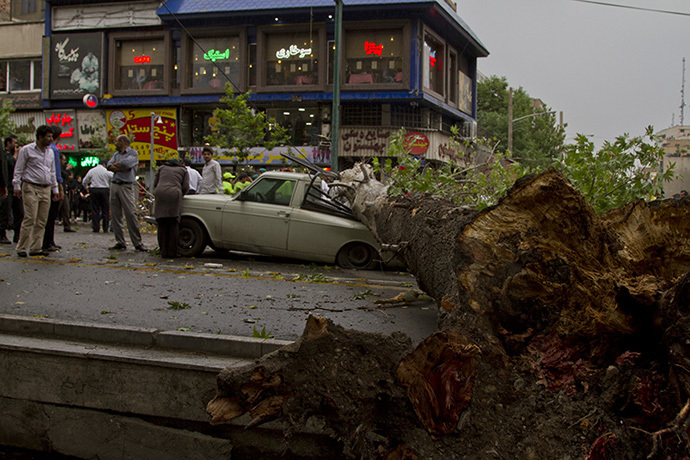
[[231, 293]]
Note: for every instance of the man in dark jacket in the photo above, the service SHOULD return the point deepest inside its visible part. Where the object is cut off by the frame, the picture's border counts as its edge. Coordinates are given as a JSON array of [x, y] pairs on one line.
[[170, 185]]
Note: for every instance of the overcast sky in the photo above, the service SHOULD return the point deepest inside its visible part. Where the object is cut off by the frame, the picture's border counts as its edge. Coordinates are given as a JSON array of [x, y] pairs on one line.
[[609, 70]]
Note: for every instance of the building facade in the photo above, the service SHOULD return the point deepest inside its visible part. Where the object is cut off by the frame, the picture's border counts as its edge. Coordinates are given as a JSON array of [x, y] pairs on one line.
[[675, 141], [146, 67]]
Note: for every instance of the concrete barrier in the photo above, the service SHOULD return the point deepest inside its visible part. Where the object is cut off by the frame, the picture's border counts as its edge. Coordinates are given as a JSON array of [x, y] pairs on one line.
[[95, 391]]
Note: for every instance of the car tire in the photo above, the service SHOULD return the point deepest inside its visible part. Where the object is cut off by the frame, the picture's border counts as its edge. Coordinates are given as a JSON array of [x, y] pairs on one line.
[[357, 255], [192, 239]]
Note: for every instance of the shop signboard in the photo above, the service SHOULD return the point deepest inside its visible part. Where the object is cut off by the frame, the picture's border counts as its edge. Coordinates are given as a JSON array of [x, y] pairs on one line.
[[136, 123], [364, 142], [76, 65], [65, 119]]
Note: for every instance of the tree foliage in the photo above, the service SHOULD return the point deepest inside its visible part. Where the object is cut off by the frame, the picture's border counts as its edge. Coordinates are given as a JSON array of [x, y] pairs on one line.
[[467, 182], [7, 125], [242, 127], [619, 172], [536, 140]]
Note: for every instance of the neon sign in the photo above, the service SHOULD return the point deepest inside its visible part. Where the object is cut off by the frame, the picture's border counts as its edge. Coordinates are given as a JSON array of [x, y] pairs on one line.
[[142, 59], [432, 58], [89, 161], [373, 48], [294, 50], [214, 55]]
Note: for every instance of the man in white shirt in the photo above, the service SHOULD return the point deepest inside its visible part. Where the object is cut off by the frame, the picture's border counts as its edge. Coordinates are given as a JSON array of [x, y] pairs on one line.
[[34, 178], [97, 180], [194, 177], [211, 175]]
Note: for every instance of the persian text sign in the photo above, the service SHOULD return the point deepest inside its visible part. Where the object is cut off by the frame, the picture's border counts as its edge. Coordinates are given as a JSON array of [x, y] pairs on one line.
[[364, 142], [136, 124], [75, 65], [65, 119], [416, 143]]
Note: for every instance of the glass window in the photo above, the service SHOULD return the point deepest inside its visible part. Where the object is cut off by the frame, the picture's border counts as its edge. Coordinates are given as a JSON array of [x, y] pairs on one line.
[[252, 64], [465, 85], [20, 75], [303, 124], [432, 64], [214, 61], [292, 58], [140, 64], [273, 191], [28, 10], [374, 56]]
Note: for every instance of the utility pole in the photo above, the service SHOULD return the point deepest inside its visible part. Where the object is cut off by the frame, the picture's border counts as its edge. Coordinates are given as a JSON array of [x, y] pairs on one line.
[[335, 111], [682, 97]]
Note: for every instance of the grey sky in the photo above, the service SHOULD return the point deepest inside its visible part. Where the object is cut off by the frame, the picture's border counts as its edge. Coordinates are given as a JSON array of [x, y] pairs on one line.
[[610, 70]]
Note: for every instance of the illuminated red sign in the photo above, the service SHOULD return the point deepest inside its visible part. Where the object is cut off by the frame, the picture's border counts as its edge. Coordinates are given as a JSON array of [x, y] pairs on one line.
[[373, 48], [432, 61], [142, 59]]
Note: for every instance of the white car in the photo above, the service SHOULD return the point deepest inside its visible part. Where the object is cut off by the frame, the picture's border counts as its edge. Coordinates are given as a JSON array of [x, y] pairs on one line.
[[280, 214]]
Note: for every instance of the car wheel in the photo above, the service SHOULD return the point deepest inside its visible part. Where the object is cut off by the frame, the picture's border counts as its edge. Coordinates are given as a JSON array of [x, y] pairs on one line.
[[192, 239], [357, 255]]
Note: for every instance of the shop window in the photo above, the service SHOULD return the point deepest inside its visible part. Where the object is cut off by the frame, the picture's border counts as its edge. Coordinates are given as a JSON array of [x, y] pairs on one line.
[[373, 56], [214, 61], [433, 65], [292, 58], [20, 75], [303, 124], [139, 64]]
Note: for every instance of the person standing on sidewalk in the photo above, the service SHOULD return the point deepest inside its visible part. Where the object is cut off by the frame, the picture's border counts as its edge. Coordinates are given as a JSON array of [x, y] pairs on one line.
[[5, 199], [123, 193], [68, 191], [211, 175], [194, 177], [97, 181], [11, 144], [34, 178], [49, 233], [171, 184]]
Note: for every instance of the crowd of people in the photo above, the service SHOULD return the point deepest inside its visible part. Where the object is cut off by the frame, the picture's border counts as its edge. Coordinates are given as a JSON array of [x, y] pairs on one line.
[[39, 191]]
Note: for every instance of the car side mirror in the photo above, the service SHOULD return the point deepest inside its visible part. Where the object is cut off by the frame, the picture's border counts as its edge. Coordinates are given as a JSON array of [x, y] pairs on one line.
[[242, 196]]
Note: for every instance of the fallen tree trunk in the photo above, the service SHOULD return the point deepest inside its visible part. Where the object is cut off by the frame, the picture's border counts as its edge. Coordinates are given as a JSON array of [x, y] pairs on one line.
[[562, 333]]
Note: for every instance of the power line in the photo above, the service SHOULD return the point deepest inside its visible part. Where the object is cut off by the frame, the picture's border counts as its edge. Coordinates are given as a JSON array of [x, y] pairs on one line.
[[630, 7]]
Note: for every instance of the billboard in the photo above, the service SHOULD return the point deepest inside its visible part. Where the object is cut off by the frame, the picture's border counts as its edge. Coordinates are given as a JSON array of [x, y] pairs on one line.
[[136, 123], [76, 65]]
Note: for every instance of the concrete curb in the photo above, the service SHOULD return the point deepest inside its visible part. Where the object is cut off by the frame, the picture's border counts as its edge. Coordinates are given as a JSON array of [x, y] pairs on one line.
[[226, 345]]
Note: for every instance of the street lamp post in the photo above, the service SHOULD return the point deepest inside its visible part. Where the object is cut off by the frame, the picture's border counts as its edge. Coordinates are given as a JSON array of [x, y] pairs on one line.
[[511, 121], [158, 120]]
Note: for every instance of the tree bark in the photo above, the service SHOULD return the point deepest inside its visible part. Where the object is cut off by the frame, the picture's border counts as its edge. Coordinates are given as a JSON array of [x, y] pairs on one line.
[[560, 332]]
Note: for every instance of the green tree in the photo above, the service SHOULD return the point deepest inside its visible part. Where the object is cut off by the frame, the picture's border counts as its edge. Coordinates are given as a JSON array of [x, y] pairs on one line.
[[466, 182], [242, 127], [7, 125], [620, 172], [536, 140]]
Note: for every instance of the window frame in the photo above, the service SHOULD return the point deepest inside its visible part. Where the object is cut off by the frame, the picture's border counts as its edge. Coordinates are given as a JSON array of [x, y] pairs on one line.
[[33, 64], [452, 77], [406, 28], [444, 74], [318, 29], [114, 66], [188, 66]]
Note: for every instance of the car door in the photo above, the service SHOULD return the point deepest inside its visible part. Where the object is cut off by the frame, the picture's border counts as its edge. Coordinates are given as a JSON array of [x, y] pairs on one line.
[[259, 219]]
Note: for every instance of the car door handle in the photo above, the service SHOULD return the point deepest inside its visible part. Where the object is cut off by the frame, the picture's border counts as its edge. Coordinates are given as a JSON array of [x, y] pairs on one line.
[[283, 214]]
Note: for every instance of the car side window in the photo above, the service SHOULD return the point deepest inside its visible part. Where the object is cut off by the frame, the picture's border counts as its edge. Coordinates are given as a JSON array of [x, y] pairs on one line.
[[273, 191]]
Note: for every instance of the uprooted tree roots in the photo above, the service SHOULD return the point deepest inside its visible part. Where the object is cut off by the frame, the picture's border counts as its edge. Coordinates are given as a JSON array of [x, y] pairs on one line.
[[562, 334]]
